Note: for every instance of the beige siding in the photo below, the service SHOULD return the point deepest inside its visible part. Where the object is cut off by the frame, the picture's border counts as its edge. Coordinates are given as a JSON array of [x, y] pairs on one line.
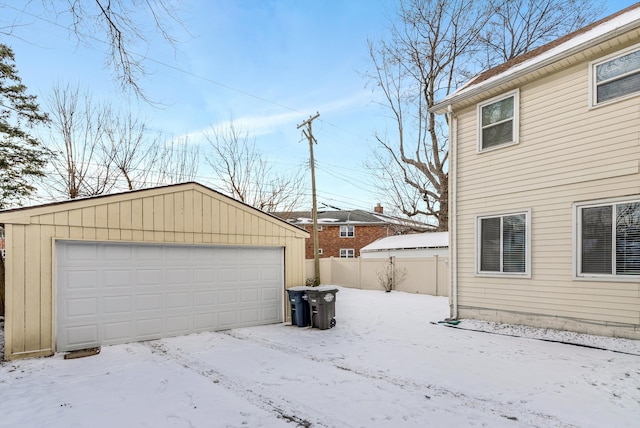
[[567, 153], [182, 214]]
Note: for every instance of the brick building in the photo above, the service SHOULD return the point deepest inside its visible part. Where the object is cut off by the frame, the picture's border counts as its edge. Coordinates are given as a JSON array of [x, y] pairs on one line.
[[344, 233]]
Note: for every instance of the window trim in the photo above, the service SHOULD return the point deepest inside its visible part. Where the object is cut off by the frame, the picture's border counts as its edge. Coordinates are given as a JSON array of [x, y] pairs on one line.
[[593, 87], [346, 250], [516, 120], [577, 235], [353, 228], [478, 247]]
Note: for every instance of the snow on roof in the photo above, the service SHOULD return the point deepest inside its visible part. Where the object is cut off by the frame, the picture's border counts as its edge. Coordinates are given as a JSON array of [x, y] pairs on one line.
[[414, 240], [551, 52]]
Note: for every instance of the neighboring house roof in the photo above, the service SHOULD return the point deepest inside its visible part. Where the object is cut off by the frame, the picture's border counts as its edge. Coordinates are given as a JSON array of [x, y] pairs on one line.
[[354, 217], [412, 241], [557, 50]]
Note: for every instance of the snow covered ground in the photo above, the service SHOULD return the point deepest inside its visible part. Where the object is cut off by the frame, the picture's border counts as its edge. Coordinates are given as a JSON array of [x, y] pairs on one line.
[[384, 365]]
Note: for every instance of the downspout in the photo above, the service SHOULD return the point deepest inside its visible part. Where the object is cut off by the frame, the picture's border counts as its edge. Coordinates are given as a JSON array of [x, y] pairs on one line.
[[453, 253]]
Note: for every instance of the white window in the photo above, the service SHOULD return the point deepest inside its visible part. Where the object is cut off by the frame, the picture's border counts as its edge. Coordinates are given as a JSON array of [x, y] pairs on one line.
[[347, 253], [319, 251], [504, 244], [347, 231], [319, 228], [608, 239], [615, 77], [498, 121]]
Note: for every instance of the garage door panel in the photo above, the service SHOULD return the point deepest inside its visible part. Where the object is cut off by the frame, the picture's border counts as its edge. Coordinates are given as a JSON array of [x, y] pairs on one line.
[[82, 335], [205, 322], [76, 280], [149, 302], [179, 301], [117, 331], [114, 305], [117, 278], [82, 307], [271, 294], [116, 253], [148, 277], [111, 293], [205, 298]]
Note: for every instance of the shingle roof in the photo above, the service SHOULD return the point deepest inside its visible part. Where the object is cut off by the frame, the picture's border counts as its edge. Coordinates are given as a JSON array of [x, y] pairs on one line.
[[556, 50], [350, 217]]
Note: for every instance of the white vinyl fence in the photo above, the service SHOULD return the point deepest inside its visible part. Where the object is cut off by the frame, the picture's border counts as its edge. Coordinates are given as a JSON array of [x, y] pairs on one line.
[[424, 275]]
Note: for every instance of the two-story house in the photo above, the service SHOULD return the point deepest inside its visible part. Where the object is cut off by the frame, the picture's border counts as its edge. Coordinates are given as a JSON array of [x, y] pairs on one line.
[[545, 185], [343, 233]]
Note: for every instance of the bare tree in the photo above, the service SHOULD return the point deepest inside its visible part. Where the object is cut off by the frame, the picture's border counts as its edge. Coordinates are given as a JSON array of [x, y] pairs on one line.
[[97, 150], [434, 46], [78, 127], [518, 26], [123, 26], [247, 176]]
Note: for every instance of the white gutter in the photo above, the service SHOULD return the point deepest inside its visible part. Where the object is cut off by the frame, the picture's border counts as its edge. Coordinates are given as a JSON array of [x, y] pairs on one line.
[[453, 247]]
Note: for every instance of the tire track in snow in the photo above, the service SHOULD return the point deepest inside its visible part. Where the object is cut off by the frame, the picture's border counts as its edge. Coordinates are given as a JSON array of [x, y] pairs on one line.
[[287, 410], [509, 410]]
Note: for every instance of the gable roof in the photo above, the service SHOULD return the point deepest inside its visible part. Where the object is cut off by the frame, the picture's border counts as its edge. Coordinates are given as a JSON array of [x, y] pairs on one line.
[[557, 50], [411, 241], [22, 214], [354, 217]]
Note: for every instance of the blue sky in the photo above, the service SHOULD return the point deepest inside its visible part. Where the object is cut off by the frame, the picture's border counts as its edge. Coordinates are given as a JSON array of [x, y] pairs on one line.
[[268, 64]]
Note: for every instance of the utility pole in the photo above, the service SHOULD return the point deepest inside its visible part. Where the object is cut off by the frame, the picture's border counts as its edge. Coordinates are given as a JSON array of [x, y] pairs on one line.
[[316, 257]]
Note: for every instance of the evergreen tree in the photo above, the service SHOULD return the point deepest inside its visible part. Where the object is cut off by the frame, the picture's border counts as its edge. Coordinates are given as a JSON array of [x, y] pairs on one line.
[[22, 156]]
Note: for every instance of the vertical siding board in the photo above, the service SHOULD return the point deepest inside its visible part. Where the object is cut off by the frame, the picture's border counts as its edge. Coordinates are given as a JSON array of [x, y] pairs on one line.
[[136, 214], [187, 212], [89, 217], [113, 215], [32, 288], [223, 219], [158, 213], [46, 286], [197, 213], [125, 215], [179, 211], [147, 214], [61, 218], [102, 216], [207, 214], [16, 279], [169, 213], [75, 218]]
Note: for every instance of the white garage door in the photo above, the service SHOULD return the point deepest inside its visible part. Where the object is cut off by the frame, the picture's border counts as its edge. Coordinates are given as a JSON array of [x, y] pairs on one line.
[[110, 293]]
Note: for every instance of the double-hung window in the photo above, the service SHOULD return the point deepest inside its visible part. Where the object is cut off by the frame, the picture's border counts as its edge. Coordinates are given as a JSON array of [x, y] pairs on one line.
[[347, 253], [504, 244], [347, 231], [498, 121], [615, 77], [608, 239]]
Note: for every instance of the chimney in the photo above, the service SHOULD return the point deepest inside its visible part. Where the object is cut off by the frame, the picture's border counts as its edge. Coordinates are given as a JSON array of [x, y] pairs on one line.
[[378, 209]]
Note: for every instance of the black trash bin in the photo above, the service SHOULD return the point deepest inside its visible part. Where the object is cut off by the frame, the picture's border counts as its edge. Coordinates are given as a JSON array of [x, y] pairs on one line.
[[322, 303], [299, 306]]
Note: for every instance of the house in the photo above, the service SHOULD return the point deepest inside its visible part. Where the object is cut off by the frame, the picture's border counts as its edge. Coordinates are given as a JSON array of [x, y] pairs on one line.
[[428, 244], [143, 265], [343, 233], [545, 185]]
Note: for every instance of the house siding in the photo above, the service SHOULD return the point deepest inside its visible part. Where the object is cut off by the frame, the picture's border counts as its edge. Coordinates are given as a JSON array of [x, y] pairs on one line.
[[567, 153], [183, 214]]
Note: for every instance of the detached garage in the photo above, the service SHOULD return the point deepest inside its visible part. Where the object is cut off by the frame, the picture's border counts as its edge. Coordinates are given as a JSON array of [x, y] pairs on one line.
[[143, 265]]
